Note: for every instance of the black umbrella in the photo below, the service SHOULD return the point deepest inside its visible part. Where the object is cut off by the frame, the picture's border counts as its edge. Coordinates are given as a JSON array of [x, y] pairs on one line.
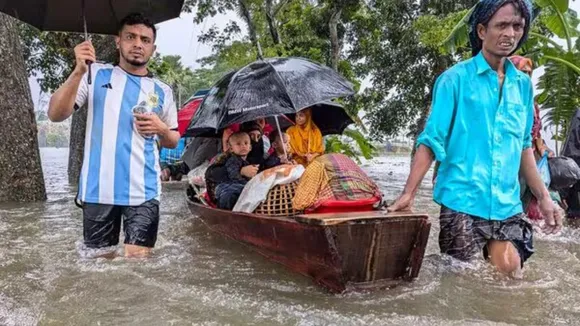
[[96, 17], [267, 88], [329, 117]]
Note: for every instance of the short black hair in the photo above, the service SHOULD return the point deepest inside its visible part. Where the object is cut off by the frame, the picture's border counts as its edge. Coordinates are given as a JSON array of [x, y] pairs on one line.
[[251, 126], [137, 18]]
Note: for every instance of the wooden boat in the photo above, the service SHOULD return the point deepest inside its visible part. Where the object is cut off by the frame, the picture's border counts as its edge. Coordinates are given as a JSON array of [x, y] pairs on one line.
[[339, 251]]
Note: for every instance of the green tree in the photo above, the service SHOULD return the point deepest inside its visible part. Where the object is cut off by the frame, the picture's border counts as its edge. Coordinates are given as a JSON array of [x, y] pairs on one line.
[[385, 46], [559, 84]]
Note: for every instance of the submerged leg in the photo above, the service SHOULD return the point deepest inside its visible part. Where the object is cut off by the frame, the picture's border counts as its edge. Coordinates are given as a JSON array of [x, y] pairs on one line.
[[505, 257]]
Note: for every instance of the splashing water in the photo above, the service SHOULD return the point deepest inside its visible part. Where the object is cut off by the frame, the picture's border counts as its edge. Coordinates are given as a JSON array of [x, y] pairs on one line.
[[198, 277]]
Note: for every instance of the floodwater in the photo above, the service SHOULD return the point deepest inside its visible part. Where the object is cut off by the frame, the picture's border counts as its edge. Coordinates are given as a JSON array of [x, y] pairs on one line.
[[197, 277]]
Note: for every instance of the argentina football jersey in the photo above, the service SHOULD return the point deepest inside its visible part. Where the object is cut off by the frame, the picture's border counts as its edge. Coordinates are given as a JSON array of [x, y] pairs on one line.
[[121, 167]]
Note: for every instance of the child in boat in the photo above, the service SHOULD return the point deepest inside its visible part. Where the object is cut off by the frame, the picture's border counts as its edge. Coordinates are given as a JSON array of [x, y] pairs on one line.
[[281, 154], [260, 143], [237, 171], [305, 138]]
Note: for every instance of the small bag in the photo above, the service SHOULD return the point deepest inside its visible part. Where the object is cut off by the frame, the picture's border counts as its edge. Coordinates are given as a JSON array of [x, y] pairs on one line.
[[564, 172]]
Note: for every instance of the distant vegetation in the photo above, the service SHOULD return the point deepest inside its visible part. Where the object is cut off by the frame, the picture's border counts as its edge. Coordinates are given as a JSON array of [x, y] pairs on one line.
[[51, 134]]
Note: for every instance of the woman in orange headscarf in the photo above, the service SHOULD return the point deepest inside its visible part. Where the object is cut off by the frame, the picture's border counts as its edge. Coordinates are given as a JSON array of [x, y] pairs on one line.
[[305, 138]]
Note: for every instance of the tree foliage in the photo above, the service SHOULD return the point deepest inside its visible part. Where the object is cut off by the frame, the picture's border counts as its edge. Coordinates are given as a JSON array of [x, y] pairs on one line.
[[50, 55], [558, 86], [385, 44]]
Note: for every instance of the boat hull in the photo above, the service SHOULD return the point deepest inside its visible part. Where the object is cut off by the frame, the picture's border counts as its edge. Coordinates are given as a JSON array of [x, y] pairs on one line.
[[354, 254]]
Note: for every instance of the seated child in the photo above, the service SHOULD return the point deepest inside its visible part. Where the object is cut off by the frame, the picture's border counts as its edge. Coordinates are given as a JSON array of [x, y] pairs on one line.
[[237, 171], [279, 157]]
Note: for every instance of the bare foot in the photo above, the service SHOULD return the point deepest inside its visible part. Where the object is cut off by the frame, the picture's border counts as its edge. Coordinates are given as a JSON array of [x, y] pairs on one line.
[[133, 251]]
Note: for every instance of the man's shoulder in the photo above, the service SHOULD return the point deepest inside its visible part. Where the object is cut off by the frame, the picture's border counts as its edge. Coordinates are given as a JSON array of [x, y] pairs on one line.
[[163, 85], [96, 66], [459, 70]]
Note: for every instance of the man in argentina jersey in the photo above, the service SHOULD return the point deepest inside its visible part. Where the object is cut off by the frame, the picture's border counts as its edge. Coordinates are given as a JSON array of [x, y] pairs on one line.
[[127, 110]]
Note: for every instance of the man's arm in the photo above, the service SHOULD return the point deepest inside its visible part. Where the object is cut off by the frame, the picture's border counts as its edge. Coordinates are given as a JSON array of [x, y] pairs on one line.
[[432, 141], [169, 117], [551, 215], [169, 138], [421, 163], [62, 102], [532, 177], [151, 124]]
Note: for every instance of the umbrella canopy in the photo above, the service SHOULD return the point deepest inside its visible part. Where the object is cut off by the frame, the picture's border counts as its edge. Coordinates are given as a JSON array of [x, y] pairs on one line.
[[329, 117], [265, 88], [186, 113], [102, 17]]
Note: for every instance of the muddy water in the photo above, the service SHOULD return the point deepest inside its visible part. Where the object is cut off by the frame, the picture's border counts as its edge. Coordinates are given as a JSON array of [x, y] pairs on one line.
[[198, 278]]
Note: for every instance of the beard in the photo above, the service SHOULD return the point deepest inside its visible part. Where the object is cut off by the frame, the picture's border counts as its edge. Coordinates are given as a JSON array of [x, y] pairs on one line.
[[134, 62]]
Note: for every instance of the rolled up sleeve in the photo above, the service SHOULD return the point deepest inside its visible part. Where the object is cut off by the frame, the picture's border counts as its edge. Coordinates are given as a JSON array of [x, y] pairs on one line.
[[435, 134], [529, 118]]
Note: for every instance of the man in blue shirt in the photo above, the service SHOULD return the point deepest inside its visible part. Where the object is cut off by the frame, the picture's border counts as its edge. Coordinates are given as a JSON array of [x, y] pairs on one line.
[[480, 132]]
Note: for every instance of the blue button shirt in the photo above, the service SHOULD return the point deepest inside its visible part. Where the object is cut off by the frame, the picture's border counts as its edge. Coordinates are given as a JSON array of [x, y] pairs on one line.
[[478, 137]]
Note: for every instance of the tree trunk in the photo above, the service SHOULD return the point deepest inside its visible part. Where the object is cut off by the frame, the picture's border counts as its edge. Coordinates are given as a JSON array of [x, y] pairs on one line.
[[272, 24], [247, 16], [106, 51], [76, 145], [21, 177], [334, 42]]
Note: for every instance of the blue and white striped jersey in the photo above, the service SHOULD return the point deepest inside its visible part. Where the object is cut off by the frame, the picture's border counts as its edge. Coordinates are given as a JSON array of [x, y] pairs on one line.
[[120, 166]]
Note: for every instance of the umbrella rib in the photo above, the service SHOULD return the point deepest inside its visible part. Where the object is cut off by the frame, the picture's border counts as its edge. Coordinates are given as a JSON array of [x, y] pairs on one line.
[[223, 114], [283, 85]]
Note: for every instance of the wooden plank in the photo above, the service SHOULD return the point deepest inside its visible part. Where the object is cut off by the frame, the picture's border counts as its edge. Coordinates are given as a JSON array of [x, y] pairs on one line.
[[338, 218]]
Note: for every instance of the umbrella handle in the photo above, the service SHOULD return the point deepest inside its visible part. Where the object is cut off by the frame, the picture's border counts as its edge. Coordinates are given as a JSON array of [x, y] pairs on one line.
[[89, 72], [89, 79], [281, 136]]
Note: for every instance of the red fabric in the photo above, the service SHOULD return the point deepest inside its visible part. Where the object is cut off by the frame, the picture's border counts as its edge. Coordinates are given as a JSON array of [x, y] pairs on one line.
[[208, 200], [186, 113], [267, 129], [340, 206], [533, 211]]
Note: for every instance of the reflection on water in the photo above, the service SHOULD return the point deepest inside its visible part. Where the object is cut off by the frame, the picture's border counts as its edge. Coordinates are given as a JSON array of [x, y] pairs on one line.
[[198, 277]]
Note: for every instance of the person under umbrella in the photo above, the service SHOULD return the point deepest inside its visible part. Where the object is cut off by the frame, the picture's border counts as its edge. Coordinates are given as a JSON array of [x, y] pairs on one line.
[[305, 138], [127, 107], [260, 143], [267, 88]]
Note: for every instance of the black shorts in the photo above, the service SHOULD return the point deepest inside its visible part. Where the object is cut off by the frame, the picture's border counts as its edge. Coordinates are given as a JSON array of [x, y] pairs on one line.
[[463, 236], [102, 224]]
